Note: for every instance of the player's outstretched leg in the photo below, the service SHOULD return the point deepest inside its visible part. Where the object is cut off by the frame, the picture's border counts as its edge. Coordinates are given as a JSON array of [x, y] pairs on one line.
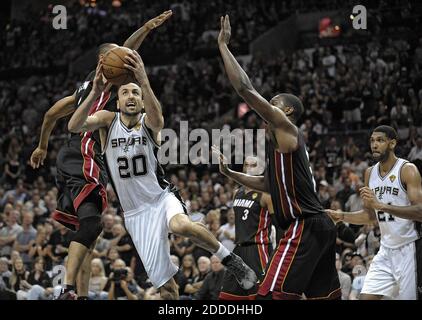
[[181, 225]]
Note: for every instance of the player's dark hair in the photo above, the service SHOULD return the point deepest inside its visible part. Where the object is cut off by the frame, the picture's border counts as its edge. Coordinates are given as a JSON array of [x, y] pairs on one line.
[[390, 132], [291, 100], [103, 48]]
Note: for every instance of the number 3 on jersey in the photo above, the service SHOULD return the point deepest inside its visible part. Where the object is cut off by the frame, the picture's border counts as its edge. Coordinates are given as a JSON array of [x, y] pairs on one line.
[[139, 166], [245, 214]]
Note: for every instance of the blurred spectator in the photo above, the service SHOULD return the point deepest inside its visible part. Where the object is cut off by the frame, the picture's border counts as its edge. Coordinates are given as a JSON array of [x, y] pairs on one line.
[[416, 151], [59, 243], [400, 119], [189, 272], [5, 273], [9, 233], [343, 195], [367, 241], [121, 285], [38, 285], [112, 256], [17, 194], [38, 247], [19, 277], [354, 202], [25, 238], [204, 267], [359, 273], [211, 287], [122, 242], [97, 281], [108, 223], [345, 280], [226, 233]]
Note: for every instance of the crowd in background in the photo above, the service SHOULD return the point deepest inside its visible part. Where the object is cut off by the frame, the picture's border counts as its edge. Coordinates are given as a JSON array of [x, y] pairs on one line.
[[347, 90]]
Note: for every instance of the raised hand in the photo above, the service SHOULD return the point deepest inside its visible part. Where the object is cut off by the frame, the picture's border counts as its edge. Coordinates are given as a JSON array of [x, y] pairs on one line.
[[225, 31], [135, 64], [223, 165], [158, 20], [100, 83]]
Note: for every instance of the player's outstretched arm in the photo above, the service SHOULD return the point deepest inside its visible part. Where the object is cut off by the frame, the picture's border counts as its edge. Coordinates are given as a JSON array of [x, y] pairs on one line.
[[243, 86], [60, 109], [411, 178], [154, 116], [80, 121], [253, 182], [364, 216], [136, 39]]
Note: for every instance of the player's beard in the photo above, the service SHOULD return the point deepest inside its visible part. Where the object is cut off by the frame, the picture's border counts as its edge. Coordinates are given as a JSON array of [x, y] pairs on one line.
[[382, 157], [131, 113]]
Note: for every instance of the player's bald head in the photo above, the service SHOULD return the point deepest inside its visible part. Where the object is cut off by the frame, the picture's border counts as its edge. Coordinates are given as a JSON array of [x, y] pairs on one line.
[[103, 48], [290, 104]]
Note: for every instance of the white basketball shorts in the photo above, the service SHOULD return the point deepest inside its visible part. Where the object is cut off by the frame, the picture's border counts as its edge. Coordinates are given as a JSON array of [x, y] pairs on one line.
[[393, 273], [149, 228]]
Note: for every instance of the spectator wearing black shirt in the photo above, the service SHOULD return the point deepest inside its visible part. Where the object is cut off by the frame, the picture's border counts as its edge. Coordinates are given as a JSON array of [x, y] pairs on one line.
[[112, 255], [332, 156], [204, 267], [38, 248], [108, 223], [123, 243], [19, 277], [40, 287], [344, 194], [189, 272], [211, 287], [58, 245]]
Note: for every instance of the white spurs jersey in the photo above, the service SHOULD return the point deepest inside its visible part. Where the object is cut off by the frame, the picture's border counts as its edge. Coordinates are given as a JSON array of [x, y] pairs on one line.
[[395, 231], [134, 170]]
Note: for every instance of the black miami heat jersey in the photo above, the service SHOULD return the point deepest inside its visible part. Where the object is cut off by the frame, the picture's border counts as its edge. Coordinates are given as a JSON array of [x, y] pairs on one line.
[[81, 172], [253, 222], [289, 178]]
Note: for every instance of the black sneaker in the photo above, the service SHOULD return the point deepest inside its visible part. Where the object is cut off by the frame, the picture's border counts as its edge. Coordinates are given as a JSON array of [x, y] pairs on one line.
[[244, 275]]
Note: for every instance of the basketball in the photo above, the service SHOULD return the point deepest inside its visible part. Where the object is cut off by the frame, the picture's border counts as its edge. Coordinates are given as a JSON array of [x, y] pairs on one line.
[[113, 66]]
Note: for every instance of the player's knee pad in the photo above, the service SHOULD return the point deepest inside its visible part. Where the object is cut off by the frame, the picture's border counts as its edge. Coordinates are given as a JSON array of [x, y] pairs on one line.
[[89, 230]]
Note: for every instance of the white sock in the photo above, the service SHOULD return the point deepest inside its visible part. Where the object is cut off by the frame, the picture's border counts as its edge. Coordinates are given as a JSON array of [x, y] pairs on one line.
[[222, 252]]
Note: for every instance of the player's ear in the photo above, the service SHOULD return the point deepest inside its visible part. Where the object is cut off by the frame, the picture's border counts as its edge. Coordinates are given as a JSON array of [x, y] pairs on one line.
[[288, 110], [393, 143], [118, 105]]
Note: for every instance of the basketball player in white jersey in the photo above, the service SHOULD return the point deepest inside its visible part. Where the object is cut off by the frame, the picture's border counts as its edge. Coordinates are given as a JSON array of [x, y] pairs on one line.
[[151, 211], [392, 196]]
